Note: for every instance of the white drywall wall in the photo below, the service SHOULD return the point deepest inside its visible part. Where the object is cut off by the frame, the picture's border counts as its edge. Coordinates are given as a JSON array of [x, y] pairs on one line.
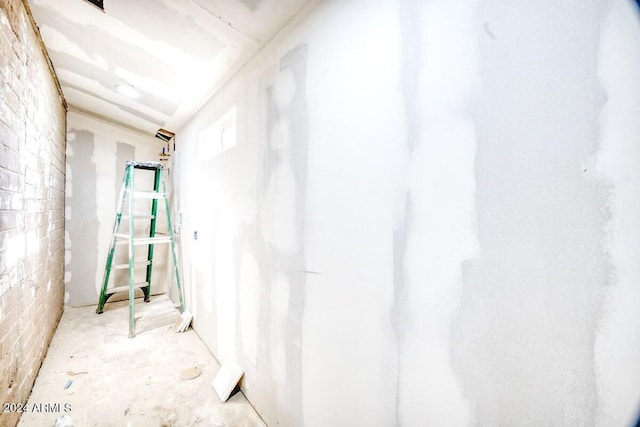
[[429, 216], [96, 156]]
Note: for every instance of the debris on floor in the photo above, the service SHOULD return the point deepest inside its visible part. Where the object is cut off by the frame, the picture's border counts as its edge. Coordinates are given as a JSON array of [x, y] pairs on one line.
[[190, 373], [226, 380], [182, 323], [134, 382], [63, 421], [71, 373]]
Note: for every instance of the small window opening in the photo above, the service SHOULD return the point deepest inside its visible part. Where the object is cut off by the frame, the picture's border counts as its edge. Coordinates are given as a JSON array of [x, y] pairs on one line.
[[220, 136]]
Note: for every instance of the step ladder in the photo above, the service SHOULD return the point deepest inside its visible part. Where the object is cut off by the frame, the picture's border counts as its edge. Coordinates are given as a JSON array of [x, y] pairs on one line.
[[129, 194]]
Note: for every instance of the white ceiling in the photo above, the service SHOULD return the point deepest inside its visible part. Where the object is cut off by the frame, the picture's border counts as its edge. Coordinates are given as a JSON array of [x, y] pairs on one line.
[[175, 53]]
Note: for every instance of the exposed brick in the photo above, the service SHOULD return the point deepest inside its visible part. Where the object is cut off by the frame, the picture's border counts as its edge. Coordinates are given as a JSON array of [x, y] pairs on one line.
[[9, 159], [9, 220], [8, 137], [10, 200], [32, 176], [11, 181], [13, 102], [5, 238]]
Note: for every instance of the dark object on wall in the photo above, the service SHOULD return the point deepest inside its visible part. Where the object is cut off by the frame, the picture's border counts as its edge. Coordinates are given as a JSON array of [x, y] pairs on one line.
[[97, 3], [164, 134]]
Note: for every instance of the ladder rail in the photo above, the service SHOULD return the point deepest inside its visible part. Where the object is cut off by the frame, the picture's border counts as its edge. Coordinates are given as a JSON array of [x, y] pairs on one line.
[[173, 246], [116, 226], [152, 231], [132, 290]]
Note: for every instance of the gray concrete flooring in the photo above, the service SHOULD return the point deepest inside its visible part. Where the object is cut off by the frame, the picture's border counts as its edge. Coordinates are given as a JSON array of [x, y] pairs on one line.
[[118, 381]]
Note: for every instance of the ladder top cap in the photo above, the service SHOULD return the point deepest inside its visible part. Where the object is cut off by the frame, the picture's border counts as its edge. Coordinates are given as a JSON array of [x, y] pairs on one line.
[[144, 165]]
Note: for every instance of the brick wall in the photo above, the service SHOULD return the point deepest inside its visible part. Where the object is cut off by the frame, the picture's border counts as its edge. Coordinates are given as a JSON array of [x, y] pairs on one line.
[[32, 175]]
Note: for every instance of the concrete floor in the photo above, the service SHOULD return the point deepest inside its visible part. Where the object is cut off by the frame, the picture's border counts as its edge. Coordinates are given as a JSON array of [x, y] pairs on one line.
[[117, 381]]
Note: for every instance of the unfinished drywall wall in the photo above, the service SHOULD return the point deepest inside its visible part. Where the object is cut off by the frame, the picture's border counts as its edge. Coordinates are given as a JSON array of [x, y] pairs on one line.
[[97, 153], [542, 216], [428, 218], [32, 173]]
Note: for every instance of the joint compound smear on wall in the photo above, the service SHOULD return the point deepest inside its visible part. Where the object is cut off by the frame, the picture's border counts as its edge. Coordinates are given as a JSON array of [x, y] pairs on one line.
[[81, 228], [439, 228], [105, 186], [524, 337], [282, 225]]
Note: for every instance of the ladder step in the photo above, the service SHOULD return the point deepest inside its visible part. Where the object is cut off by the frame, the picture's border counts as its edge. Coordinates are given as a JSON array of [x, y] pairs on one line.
[[159, 312], [145, 165], [126, 287], [140, 216], [123, 266], [148, 194], [123, 239]]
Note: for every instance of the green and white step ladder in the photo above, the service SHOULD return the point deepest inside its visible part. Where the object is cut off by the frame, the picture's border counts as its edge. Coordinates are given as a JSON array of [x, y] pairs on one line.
[[129, 194]]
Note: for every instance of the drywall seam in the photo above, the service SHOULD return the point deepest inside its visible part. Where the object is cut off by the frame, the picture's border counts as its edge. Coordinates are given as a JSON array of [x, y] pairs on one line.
[[531, 301], [440, 224], [409, 18], [104, 159], [81, 232]]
